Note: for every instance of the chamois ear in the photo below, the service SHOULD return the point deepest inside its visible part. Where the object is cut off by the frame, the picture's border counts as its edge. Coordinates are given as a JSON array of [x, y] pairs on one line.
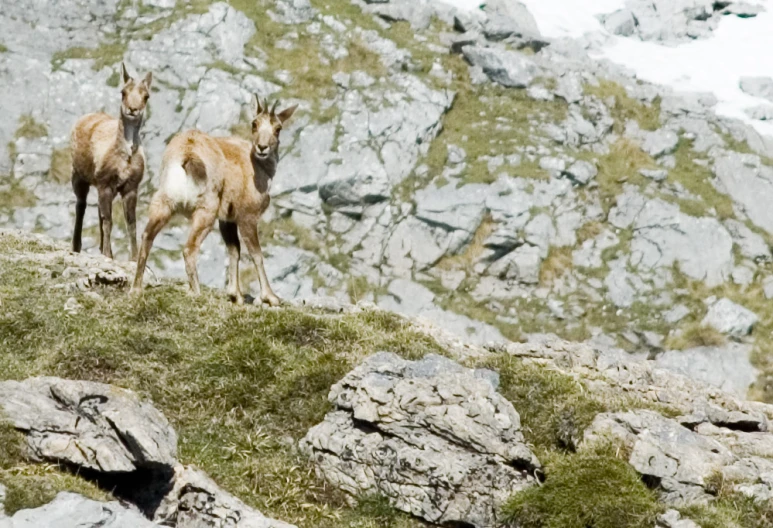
[[255, 105], [125, 74], [147, 80], [286, 114]]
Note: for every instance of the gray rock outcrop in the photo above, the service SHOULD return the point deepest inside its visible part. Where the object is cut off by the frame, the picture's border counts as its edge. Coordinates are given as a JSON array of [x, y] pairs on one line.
[[196, 501], [433, 437], [70, 510], [682, 456], [730, 318], [508, 68], [88, 425]]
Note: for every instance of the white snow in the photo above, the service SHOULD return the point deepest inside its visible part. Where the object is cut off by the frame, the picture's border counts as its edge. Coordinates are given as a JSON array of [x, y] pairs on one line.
[[739, 47]]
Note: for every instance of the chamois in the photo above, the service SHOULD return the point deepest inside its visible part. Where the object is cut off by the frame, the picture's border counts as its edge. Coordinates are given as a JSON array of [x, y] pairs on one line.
[[107, 153], [218, 178]]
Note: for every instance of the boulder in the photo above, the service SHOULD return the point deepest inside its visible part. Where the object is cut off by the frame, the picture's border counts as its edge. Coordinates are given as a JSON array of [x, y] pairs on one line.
[[660, 143], [757, 87], [681, 457], [582, 172], [508, 68], [294, 11], [750, 184], [508, 18], [727, 367], [433, 437], [452, 208], [88, 425], [664, 235], [730, 318], [70, 510], [195, 501], [673, 519], [621, 22]]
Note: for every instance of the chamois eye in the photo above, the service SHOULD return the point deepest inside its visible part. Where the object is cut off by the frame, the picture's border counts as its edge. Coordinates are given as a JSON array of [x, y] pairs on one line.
[[254, 126]]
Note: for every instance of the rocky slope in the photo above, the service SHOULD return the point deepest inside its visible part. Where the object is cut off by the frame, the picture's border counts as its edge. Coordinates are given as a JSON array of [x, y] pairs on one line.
[[451, 164], [131, 412]]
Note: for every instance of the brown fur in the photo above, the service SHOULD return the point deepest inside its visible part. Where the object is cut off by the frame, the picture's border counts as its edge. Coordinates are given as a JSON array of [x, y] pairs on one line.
[[107, 154], [214, 178]]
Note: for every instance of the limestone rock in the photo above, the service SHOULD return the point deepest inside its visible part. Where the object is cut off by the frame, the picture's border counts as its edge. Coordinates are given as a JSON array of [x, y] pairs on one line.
[[750, 184], [751, 244], [660, 143], [433, 437], [727, 367], [758, 87], [508, 68], [621, 22], [196, 501], [508, 18], [682, 460], [730, 318], [89, 425], [70, 510], [582, 172], [673, 519]]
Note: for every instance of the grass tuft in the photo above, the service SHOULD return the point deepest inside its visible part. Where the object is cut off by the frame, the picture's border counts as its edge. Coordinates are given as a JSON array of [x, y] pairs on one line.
[[106, 54], [627, 108], [591, 489], [30, 128], [696, 335]]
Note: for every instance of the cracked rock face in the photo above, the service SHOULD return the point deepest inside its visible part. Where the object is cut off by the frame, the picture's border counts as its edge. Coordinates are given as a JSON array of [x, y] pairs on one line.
[[683, 458], [195, 501], [433, 437], [70, 510], [89, 425]]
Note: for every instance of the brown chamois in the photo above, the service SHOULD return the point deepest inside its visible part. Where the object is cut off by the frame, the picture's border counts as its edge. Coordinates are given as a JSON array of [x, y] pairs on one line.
[[107, 153], [218, 178]]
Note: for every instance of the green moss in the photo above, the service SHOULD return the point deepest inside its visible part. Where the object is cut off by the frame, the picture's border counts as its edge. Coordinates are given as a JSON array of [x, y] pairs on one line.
[[30, 128], [106, 54], [590, 489], [234, 385], [11, 446], [224, 66], [627, 108], [3, 48]]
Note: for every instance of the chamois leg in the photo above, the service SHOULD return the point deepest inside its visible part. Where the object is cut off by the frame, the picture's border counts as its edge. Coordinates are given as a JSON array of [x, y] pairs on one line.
[[106, 196], [130, 214], [249, 231], [202, 222], [81, 190], [230, 235], [158, 216]]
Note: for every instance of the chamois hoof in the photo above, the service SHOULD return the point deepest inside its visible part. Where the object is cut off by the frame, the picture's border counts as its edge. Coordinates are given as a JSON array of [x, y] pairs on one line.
[[271, 300]]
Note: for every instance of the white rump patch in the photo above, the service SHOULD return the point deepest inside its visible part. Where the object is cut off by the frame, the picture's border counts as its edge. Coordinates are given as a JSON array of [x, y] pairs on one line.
[[180, 188]]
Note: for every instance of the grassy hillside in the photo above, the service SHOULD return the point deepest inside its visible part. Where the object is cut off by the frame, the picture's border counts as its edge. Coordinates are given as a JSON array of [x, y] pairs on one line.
[[242, 384]]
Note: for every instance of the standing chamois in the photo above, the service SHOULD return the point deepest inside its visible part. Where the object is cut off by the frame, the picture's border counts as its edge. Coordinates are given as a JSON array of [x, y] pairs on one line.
[[218, 178], [106, 153]]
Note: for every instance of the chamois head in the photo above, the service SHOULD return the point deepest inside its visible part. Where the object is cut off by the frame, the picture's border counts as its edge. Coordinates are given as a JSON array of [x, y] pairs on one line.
[[134, 95], [266, 126]]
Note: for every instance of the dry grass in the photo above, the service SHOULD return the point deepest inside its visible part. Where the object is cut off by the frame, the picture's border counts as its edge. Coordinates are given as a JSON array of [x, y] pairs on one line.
[[30, 128], [61, 165], [627, 108], [696, 335], [557, 263], [621, 166]]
